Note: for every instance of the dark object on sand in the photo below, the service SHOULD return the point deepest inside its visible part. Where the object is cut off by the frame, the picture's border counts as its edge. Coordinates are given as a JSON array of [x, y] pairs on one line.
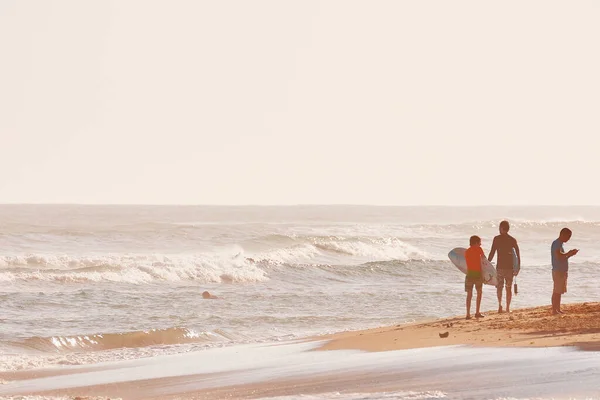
[[444, 335]]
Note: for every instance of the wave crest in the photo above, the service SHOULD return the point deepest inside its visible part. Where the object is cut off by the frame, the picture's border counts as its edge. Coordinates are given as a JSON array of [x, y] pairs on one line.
[[130, 268], [219, 266], [109, 341], [350, 250]]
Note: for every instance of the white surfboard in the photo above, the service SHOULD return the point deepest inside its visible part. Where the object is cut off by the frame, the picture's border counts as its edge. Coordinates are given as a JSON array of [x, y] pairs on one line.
[[516, 265], [457, 256]]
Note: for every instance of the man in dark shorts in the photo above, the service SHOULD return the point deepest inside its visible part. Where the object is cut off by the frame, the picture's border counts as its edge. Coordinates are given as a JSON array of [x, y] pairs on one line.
[[560, 268], [504, 245], [474, 276]]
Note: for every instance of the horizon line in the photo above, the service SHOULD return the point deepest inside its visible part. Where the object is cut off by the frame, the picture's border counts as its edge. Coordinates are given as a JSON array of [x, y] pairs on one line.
[[294, 205]]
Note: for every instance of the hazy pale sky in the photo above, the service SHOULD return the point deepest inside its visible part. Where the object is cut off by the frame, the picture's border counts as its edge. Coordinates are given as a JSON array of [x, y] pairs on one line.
[[286, 102]]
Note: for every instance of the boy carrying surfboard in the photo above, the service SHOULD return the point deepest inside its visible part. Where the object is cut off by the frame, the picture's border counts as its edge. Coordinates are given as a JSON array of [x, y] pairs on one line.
[[474, 276]]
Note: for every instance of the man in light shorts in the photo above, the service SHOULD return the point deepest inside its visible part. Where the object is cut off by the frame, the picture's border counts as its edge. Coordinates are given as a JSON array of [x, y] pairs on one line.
[[504, 245], [560, 268]]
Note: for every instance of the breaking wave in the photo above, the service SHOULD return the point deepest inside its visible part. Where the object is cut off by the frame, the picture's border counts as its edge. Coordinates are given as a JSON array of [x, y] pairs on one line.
[[129, 268], [110, 341], [231, 266]]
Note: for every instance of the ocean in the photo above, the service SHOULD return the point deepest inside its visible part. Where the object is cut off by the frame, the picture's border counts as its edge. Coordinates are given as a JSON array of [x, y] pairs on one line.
[[86, 284]]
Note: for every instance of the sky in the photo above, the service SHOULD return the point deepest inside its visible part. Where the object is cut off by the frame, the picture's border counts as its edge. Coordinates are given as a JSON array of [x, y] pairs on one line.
[[300, 102]]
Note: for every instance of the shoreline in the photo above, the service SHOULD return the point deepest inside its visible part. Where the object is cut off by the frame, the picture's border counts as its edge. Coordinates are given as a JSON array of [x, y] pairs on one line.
[[336, 362]]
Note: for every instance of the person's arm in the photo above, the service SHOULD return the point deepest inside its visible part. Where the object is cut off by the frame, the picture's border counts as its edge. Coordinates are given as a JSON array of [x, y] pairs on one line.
[[492, 250], [518, 253], [562, 255]]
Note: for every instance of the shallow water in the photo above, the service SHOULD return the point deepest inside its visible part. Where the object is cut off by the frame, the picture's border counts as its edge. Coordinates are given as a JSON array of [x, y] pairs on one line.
[[455, 372]]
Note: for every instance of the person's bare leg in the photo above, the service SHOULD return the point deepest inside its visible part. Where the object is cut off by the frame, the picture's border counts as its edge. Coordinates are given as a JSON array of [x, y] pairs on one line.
[[554, 304], [478, 305], [469, 297], [558, 299], [508, 298], [499, 293]]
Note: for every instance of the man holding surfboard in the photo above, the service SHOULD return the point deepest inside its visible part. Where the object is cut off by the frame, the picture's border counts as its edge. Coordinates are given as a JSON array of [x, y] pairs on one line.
[[504, 244]]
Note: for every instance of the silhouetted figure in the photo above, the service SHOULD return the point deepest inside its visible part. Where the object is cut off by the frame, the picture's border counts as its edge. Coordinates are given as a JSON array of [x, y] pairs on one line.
[[504, 245], [474, 276], [560, 268]]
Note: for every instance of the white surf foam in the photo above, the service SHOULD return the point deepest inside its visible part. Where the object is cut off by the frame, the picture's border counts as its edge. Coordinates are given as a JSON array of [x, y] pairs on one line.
[[206, 268]]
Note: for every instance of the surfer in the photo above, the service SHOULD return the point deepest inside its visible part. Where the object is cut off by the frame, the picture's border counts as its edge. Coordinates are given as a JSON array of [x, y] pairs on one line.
[[504, 245], [474, 276], [560, 268], [208, 296]]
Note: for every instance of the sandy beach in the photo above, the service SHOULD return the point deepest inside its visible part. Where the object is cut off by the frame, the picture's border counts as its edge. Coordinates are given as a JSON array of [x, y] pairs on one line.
[[385, 359], [528, 327]]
